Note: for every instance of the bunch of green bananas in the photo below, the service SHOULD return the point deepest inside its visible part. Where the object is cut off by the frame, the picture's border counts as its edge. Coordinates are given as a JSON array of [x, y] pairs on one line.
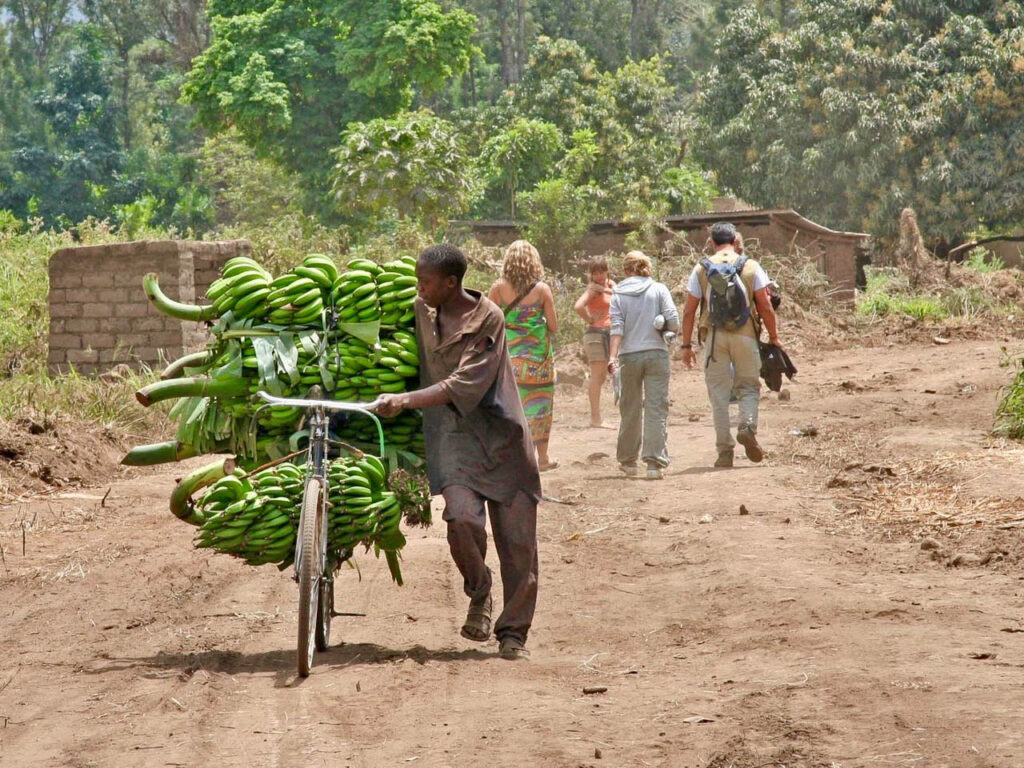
[[255, 517], [354, 293], [403, 432], [217, 387], [363, 510], [297, 296], [242, 288], [396, 289]]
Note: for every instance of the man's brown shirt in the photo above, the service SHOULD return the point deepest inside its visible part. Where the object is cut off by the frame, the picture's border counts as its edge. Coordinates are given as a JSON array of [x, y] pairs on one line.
[[481, 438]]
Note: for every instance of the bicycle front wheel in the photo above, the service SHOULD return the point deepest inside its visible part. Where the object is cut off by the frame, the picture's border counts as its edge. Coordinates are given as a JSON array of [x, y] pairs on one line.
[[312, 545], [324, 613]]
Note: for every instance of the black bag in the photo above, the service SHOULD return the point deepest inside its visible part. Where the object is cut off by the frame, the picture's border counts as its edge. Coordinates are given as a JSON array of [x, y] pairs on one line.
[[774, 363]]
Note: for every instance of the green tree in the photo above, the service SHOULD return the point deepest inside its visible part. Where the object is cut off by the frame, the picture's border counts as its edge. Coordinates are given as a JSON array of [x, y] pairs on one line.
[[76, 172], [853, 110], [413, 164], [290, 75], [521, 155], [245, 189]]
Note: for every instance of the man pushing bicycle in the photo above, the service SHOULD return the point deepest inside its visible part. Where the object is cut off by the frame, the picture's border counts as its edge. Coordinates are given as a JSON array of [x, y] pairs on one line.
[[478, 445]]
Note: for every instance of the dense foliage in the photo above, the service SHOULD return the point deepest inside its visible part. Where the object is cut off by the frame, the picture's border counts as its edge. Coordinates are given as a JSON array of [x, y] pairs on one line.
[[853, 110], [215, 115]]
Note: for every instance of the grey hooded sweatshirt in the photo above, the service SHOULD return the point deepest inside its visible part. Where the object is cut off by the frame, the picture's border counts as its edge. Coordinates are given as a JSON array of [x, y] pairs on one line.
[[636, 301]]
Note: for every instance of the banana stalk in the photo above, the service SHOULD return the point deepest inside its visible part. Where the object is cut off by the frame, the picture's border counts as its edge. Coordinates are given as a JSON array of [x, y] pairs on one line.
[[167, 305], [181, 496], [158, 453], [193, 386], [194, 360]]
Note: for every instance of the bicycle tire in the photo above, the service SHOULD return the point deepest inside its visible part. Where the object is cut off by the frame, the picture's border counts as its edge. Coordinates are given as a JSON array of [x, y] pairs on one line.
[[324, 613], [311, 558]]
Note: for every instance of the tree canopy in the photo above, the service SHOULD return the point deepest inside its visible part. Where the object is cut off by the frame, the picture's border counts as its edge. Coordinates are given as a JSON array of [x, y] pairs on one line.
[[853, 110], [289, 76]]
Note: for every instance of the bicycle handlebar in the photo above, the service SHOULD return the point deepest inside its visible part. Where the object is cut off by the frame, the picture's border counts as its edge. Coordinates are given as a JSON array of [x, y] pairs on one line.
[[330, 405]]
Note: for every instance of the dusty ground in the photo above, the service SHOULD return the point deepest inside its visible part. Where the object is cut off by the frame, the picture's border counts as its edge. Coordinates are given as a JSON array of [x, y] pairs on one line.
[[813, 631]]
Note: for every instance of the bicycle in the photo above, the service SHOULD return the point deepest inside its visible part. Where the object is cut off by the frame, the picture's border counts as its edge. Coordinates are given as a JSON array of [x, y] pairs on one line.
[[314, 565]]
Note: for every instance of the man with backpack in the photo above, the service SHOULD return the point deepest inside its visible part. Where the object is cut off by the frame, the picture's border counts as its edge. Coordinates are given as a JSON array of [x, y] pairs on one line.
[[732, 294]]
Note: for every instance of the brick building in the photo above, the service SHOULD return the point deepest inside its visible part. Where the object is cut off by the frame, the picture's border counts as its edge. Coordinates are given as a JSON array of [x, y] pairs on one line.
[[776, 231], [99, 314]]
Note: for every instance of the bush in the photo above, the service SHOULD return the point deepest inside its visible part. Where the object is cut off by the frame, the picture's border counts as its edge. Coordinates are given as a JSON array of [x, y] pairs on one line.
[[886, 293], [557, 216], [983, 261], [108, 401], [1009, 420]]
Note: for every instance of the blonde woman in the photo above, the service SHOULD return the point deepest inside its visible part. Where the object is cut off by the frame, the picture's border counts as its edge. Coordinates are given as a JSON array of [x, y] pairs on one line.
[[593, 306], [530, 321], [640, 351]]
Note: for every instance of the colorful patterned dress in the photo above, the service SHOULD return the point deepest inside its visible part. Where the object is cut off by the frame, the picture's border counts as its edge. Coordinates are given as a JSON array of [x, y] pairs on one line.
[[534, 366]]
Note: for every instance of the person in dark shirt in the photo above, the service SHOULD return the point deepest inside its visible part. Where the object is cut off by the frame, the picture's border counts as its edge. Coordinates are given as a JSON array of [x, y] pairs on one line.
[[479, 451]]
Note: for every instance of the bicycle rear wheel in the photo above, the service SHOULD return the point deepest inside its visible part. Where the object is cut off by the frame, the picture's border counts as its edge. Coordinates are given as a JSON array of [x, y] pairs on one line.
[[312, 545]]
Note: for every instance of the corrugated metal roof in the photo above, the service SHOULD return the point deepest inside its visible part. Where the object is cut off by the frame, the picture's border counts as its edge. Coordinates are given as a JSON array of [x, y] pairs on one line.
[[696, 220]]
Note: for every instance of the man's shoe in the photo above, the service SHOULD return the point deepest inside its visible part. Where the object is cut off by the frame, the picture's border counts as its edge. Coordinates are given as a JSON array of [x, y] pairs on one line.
[[513, 649], [654, 472], [477, 626], [724, 460], [629, 469], [745, 436]]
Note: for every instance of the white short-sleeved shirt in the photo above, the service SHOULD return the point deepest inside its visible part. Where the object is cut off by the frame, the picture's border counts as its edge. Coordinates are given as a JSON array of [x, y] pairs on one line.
[[761, 280]]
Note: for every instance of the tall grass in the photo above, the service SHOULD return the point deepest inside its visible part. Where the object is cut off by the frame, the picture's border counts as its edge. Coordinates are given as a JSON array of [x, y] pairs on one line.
[[1009, 420], [109, 402], [887, 293]]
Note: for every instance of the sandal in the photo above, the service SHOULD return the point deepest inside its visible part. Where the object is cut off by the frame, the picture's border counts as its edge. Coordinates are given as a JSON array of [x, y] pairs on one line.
[[513, 649], [549, 466], [477, 626]]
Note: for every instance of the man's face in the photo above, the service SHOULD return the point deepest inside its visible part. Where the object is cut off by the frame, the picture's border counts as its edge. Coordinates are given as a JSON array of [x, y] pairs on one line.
[[432, 287]]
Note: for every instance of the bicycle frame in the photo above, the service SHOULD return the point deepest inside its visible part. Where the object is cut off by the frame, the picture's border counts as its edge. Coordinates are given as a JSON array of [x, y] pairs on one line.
[[316, 453]]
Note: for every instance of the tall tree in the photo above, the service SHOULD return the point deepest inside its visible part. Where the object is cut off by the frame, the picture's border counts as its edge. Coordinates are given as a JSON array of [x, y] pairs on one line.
[[290, 76], [37, 27], [854, 110]]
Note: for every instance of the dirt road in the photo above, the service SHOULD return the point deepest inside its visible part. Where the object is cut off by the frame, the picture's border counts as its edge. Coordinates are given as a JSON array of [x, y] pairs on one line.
[[813, 631]]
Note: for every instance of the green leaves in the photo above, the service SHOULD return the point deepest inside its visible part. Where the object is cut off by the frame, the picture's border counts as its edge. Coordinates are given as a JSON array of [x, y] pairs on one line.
[[290, 75], [853, 110], [413, 164]]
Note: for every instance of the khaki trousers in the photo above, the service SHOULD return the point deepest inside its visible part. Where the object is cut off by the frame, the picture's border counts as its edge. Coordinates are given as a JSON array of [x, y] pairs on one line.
[[643, 407], [736, 365], [514, 527]]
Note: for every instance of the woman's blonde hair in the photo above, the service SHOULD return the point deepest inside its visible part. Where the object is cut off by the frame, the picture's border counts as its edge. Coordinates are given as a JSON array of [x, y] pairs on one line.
[[522, 266], [637, 263]]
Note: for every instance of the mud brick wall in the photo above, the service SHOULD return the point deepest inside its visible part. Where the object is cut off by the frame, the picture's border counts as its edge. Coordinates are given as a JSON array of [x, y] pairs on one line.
[[99, 314]]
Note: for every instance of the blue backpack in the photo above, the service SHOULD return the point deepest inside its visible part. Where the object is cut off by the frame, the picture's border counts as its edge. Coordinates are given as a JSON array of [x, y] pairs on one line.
[[728, 302]]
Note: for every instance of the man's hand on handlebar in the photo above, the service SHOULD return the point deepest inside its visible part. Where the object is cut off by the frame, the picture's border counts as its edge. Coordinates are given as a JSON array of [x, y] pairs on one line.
[[387, 406]]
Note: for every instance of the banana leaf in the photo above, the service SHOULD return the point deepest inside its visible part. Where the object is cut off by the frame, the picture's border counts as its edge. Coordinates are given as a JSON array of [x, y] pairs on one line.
[[287, 356], [266, 362], [230, 361], [368, 333]]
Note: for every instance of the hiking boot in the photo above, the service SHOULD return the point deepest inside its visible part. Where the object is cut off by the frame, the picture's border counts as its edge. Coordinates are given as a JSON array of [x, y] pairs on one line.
[[654, 472], [745, 436], [630, 469], [724, 459]]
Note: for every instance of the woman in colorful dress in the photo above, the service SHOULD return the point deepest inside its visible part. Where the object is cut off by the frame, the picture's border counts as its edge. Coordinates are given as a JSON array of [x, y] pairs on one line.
[[593, 306], [530, 323]]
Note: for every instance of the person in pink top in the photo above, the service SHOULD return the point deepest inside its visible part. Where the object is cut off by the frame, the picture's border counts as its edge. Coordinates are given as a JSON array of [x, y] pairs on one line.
[[593, 306]]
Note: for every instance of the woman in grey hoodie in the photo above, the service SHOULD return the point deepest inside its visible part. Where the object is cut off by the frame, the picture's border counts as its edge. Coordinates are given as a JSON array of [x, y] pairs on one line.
[[642, 311]]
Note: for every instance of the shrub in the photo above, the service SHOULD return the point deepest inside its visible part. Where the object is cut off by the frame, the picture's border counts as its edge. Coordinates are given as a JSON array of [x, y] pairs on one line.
[[984, 261]]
